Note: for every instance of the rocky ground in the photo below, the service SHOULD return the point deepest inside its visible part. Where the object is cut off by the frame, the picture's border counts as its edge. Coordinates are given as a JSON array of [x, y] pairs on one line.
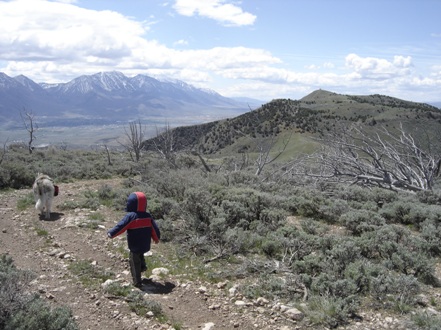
[[48, 247]]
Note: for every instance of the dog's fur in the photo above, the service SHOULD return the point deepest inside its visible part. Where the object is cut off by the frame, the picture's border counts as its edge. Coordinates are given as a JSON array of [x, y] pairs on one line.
[[44, 193]]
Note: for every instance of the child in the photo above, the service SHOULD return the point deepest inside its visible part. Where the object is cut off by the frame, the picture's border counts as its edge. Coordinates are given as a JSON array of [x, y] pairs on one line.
[[141, 229]]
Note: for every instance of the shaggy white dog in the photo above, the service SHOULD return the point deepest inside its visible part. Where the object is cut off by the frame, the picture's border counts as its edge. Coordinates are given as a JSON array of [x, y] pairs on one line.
[[44, 193]]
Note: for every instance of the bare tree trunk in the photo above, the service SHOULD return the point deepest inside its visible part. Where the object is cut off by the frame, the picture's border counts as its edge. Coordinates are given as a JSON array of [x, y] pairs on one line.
[[135, 138], [29, 122], [264, 158], [207, 168], [4, 151], [165, 144], [109, 161]]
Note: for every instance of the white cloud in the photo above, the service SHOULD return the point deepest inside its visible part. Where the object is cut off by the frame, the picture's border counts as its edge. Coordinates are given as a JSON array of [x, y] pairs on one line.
[[219, 10], [46, 39], [41, 30], [328, 65], [378, 68], [181, 42]]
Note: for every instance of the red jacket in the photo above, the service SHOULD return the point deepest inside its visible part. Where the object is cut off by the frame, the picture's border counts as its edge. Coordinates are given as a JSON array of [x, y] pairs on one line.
[[140, 226]]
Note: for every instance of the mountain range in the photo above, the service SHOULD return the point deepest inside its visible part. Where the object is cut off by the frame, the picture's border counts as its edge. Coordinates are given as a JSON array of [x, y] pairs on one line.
[[111, 97]]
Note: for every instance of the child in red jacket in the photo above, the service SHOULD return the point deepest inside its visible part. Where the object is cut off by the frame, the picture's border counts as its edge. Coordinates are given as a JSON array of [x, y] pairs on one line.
[[141, 229]]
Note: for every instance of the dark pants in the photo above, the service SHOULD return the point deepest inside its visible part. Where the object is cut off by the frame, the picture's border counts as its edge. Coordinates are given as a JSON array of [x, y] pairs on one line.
[[137, 266]]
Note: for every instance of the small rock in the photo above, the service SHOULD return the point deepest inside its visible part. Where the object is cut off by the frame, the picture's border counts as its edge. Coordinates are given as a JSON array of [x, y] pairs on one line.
[[261, 301], [159, 271], [4, 230], [107, 283], [208, 326], [294, 314], [240, 303], [50, 296]]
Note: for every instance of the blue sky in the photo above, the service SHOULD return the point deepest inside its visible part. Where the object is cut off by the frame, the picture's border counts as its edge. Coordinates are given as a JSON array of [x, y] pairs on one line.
[[252, 48]]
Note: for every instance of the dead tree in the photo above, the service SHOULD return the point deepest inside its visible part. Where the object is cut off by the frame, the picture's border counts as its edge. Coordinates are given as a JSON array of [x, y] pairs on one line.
[[109, 161], [165, 144], [382, 158], [134, 140], [4, 151], [265, 146], [266, 154], [29, 123]]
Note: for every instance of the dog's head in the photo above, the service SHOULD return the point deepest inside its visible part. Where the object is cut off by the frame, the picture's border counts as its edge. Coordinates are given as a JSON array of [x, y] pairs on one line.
[[41, 176]]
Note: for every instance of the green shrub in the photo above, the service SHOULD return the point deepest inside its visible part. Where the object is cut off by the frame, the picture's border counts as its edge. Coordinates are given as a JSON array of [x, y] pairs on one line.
[[22, 310], [360, 221], [116, 289], [343, 252], [16, 175], [330, 311], [431, 233], [353, 193], [396, 291], [430, 197], [398, 212], [141, 305], [332, 211], [425, 321], [272, 247], [106, 195], [38, 315], [360, 272]]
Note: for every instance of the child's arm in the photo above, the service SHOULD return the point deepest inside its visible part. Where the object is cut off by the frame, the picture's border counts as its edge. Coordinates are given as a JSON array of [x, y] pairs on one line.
[[120, 227], [157, 231]]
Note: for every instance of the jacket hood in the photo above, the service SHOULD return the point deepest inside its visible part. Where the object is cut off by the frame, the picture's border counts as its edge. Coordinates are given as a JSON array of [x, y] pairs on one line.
[[136, 202]]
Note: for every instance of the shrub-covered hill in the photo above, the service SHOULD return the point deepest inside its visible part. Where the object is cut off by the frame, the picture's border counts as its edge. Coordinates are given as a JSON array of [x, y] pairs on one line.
[[314, 114], [242, 252]]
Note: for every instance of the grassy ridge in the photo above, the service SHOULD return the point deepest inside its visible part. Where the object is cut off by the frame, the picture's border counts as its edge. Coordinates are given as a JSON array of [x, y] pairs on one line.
[[312, 115]]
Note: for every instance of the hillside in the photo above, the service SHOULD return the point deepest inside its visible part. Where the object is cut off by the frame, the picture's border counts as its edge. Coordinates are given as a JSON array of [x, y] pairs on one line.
[[311, 115], [52, 249], [238, 252]]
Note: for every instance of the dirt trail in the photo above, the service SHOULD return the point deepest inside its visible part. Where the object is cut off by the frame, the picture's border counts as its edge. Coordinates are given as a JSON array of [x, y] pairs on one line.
[[47, 247]]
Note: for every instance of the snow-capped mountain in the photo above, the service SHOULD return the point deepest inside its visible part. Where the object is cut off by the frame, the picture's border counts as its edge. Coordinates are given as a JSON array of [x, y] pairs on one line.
[[110, 97]]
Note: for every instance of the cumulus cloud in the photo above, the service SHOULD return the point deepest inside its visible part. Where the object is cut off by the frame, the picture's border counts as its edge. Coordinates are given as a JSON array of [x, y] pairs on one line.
[[41, 30], [54, 38], [378, 68], [219, 10], [181, 42]]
